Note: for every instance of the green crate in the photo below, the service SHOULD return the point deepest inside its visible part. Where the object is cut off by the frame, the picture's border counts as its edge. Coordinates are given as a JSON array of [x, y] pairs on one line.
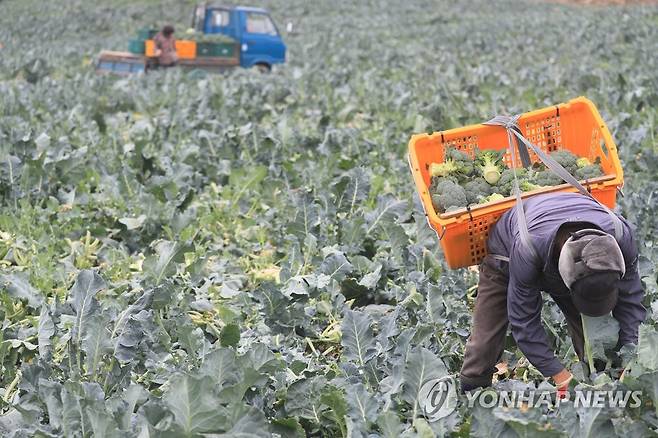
[[146, 34], [215, 49], [136, 46]]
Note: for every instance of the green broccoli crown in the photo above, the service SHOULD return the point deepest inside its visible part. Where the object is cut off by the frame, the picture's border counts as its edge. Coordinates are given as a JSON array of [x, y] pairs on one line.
[[456, 163], [545, 178], [447, 168], [588, 172], [567, 159], [476, 189], [437, 180], [460, 181], [457, 155], [505, 184], [527, 186], [448, 194], [490, 164], [494, 197]]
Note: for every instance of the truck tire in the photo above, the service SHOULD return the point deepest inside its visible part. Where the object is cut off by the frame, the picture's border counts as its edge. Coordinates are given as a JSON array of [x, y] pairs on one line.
[[263, 67]]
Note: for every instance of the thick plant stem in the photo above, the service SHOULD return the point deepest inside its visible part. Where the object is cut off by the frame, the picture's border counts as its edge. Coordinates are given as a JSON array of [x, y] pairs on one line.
[[588, 347], [9, 391]]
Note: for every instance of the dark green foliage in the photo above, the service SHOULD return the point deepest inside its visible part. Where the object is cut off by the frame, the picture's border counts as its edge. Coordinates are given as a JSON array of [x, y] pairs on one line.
[[264, 264]]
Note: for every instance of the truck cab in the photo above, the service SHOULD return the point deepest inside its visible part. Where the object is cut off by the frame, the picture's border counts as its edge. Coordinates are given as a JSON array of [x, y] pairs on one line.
[[260, 43]]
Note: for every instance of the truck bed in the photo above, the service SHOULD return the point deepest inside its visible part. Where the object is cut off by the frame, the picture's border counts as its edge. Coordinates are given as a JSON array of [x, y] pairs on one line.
[[125, 63], [122, 63], [210, 63]]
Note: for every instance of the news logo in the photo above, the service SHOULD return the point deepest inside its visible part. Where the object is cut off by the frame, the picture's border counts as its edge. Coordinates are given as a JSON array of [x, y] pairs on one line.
[[438, 398]]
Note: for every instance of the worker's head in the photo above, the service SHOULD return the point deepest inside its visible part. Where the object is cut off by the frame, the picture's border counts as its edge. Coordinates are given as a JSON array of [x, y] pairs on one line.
[[168, 30], [591, 263]]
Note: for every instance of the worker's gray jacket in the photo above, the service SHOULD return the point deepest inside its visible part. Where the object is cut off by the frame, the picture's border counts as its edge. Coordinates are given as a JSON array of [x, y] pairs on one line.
[[528, 277]]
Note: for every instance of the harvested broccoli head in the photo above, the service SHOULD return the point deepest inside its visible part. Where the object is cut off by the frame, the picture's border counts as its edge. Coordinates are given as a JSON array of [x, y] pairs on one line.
[[462, 160], [437, 180], [490, 164], [456, 164], [494, 197], [545, 178], [448, 194], [589, 172], [527, 186], [445, 169], [583, 162], [567, 159], [505, 184], [476, 190]]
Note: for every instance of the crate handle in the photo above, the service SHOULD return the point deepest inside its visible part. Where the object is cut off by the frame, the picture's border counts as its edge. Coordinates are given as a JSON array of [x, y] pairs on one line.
[[443, 233]]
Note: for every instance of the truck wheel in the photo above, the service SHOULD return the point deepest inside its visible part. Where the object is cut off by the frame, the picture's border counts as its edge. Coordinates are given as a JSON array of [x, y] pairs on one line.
[[263, 67]]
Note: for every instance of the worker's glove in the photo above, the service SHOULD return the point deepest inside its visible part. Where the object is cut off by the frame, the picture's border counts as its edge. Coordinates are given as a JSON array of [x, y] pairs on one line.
[[562, 381]]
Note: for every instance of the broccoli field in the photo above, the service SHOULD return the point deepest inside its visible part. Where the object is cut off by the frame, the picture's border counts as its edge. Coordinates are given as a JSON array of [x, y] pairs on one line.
[[245, 255]]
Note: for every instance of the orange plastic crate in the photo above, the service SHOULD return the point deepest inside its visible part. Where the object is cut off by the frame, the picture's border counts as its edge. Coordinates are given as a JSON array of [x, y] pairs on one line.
[[186, 49], [149, 48], [575, 125]]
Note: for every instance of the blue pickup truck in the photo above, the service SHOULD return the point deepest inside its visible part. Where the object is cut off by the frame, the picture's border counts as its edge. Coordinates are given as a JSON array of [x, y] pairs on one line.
[[256, 38]]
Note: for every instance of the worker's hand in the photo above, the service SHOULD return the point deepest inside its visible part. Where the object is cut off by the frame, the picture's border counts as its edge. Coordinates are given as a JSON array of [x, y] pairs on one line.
[[157, 52], [561, 381]]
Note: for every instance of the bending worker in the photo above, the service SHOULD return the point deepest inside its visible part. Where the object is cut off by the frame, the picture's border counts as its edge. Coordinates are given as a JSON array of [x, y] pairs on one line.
[[583, 255], [165, 47]]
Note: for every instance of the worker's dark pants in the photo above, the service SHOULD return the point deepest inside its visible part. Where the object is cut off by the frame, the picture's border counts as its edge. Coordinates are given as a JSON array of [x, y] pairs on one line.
[[487, 341]]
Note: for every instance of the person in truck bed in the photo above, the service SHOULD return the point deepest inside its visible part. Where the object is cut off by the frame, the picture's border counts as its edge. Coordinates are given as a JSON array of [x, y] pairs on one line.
[[165, 47], [585, 257]]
